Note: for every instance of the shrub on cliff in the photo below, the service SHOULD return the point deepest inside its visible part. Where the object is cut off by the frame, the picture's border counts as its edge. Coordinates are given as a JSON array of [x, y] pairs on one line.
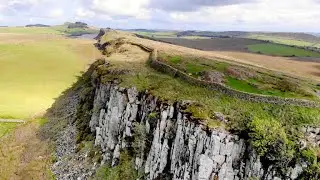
[[124, 171], [271, 142], [140, 137]]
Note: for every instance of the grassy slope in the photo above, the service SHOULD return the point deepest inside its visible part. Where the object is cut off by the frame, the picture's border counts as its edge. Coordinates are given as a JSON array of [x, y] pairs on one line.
[[281, 50], [32, 73], [259, 83]]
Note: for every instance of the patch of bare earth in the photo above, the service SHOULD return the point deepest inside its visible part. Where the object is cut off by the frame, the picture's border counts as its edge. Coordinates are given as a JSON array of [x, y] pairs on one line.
[[23, 155]]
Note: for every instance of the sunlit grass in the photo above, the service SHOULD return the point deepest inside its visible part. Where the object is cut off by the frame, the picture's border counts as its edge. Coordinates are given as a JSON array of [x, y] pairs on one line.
[[6, 128], [33, 73]]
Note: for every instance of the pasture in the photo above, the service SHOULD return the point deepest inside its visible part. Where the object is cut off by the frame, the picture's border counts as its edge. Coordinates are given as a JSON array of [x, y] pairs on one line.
[[287, 40], [214, 44], [35, 68], [281, 50]]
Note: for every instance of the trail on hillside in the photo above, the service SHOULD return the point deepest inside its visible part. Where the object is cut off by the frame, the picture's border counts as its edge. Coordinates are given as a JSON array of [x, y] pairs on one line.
[[23, 155]]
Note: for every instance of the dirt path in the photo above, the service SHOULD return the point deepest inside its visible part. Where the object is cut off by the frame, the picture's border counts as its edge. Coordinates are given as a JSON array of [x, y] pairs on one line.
[[12, 121], [23, 155]]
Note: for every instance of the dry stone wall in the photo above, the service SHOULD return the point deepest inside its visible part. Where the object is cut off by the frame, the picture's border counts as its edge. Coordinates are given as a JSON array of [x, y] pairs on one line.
[[163, 67]]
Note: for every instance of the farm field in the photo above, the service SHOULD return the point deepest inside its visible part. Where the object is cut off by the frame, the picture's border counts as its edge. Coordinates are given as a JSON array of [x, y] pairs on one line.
[[288, 40], [36, 68], [218, 44], [294, 66], [241, 45], [281, 50]]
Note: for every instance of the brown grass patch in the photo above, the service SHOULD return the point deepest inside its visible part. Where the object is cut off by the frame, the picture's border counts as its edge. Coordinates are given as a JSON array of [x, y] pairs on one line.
[[23, 155], [283, 64]]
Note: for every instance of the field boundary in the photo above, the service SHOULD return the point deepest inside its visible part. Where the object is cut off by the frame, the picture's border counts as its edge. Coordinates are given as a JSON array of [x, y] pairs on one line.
[[165, 68]]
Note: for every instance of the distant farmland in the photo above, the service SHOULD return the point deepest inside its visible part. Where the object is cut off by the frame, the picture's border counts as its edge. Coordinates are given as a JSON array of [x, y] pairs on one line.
[[281, 50], [242, 45], [215, 44]]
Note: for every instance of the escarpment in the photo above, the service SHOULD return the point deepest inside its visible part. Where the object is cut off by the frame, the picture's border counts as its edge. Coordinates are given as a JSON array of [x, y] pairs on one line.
[[164, 140], [106, 129]]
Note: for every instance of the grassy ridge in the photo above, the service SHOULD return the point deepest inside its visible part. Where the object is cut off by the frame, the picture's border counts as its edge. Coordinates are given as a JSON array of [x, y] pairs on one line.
[[281, 50]]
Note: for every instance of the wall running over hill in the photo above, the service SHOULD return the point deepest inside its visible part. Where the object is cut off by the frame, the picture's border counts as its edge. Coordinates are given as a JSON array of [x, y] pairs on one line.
[[163, 67]]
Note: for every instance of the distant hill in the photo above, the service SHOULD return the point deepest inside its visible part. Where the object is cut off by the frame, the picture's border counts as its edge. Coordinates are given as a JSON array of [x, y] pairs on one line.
[[37, 25], [77, 25], [289, 35], [212, 34]]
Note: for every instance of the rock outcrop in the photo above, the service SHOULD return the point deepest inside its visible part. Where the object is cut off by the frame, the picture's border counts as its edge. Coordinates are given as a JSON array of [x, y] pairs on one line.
[[176, 145]]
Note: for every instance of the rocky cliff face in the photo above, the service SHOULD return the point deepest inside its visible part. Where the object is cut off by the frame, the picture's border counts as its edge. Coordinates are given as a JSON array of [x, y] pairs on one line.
[[164, 140], [175, 146]]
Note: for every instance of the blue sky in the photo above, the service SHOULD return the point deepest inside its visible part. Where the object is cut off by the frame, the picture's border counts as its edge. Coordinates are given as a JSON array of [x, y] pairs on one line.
[[215, 15]]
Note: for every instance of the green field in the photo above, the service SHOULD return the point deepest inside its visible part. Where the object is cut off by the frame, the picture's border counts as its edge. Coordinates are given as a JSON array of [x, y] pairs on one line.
[[61, 30], [30, 30], [281, 50], [6, 128], [34, 72], [281, 40]]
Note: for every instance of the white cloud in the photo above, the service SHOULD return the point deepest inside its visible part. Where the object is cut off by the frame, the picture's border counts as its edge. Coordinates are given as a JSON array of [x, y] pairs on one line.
[[132, 8], [23, 2], [83, 13], [273, 14], [54, 13]]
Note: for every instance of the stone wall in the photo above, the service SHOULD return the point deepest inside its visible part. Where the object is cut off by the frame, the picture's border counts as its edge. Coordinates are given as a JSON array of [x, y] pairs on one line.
[[163, 67]]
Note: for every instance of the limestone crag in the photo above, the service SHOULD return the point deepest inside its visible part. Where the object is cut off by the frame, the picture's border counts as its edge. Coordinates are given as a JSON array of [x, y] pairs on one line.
[[176, 146]]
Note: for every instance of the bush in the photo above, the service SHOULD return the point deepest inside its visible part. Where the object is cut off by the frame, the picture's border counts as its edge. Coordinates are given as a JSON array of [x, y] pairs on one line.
[[140, 137], [270, 141], [288, 85], [124, 171], [309, 155], [311, 173]]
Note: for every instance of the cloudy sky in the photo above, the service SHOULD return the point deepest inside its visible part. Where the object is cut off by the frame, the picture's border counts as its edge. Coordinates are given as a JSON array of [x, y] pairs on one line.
[[215, 15]]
